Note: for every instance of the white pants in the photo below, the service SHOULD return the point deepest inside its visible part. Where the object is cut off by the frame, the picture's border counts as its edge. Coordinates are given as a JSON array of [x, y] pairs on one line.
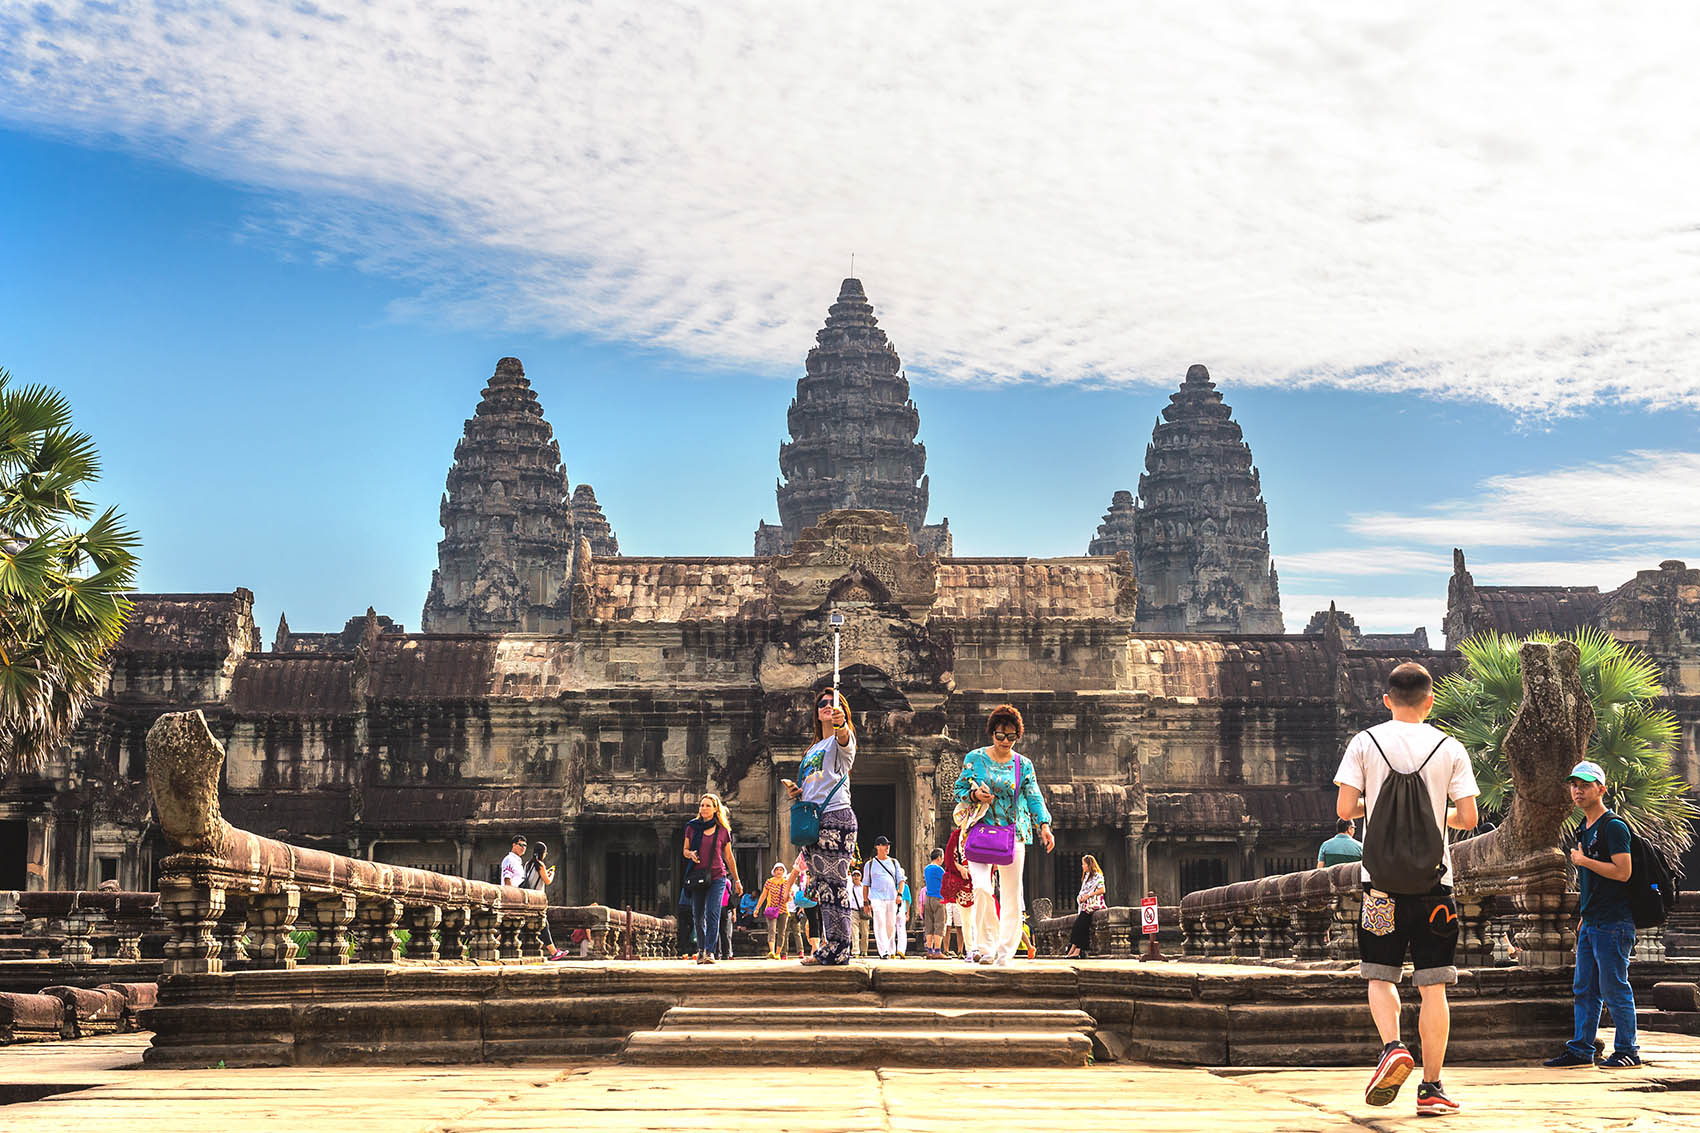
[[997, 928], [902, 928], [885, 925]]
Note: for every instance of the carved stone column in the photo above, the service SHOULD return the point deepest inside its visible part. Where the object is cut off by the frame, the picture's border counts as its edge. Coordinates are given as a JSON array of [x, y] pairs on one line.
[[379, 917], [457, 931], [232, 932], [1243, 935], [1343, 928], [1274, 932], [1311, 925], [272, 918], [79, 929], [1475, 950], [129, 941], [485, 944], [192, 913], [331, 917], [1217, 931], [422, 922], [531, 935], [508, 932]]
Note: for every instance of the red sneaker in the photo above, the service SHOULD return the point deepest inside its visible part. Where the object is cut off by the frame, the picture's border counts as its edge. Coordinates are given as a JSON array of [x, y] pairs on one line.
[[1433, 1102], [1390, 1073]]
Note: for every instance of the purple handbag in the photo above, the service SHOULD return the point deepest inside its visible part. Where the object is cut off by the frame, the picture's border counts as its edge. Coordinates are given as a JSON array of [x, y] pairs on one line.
[[990, 844]]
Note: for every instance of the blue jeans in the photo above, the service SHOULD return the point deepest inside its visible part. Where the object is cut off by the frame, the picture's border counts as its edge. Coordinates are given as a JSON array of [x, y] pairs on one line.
[[705, 910], [1602, 974]]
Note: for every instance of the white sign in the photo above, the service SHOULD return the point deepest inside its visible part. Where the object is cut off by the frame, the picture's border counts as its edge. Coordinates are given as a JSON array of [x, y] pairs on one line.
[[1148, 916]]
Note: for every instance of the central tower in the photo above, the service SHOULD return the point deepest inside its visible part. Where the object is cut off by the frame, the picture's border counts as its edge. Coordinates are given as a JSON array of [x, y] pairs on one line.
[[852, 434]]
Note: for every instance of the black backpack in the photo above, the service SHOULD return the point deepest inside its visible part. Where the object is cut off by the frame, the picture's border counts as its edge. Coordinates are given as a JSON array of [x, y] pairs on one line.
[[1404, 850], [1652, 889]]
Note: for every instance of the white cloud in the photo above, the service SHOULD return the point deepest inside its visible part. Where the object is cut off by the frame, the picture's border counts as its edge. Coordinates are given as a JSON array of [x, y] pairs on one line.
[[1358, 561], [1650, 499], [1373, 613], [1487, 203]]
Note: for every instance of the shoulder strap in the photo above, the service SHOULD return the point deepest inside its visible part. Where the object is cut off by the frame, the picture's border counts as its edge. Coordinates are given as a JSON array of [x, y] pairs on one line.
[[1378, 747], [1430, 755]]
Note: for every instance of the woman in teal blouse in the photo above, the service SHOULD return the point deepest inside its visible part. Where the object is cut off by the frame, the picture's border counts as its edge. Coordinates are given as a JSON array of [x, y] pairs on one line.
[[1002, 779]]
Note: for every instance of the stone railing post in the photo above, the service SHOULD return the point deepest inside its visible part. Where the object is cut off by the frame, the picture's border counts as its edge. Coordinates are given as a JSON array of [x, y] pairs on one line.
[[232, 932], [531, 935], [486, 944], [192, 912], [332, 914], [1475, 950], [271, 917], [380, 917], [79, 932], [508, 931], [422, 922], [457, 931], [1343, 926]]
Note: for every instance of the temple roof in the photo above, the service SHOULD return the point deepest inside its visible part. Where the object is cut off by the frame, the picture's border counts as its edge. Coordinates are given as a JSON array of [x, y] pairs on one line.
[[190, 623], [1522, 610], [675, 590], [294, 684], [1034, 588]]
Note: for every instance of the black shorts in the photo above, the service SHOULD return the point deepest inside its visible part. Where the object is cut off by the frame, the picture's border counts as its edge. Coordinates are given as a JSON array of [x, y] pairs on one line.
[[1426, 927]]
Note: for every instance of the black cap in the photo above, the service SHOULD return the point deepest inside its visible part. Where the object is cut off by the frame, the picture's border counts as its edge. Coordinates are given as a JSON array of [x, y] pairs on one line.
[[882, 840]]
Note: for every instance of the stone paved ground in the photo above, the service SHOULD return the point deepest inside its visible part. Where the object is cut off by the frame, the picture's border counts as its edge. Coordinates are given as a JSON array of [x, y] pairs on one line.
[[604, 1096]]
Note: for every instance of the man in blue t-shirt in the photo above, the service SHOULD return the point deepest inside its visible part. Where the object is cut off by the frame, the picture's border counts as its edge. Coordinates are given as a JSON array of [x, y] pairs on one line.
[[1341, 848], [932, 913], [1606, 935]]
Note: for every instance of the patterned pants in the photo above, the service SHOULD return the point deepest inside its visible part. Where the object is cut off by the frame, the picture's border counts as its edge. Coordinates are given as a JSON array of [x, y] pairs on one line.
[[829, 884]]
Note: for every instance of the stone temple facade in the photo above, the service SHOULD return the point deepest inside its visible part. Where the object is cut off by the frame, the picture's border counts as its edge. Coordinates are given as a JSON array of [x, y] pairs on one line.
[[585, 698]]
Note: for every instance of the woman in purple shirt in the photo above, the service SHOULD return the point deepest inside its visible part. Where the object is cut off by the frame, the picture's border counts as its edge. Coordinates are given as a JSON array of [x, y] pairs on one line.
[[708, 847]]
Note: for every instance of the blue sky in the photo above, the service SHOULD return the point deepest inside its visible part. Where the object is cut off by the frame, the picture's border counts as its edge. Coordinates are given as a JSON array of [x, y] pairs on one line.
[[275, 338]]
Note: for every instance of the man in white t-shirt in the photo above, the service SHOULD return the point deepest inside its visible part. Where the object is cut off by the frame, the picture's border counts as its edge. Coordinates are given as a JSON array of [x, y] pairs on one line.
[[1425, 924], [513, 866]]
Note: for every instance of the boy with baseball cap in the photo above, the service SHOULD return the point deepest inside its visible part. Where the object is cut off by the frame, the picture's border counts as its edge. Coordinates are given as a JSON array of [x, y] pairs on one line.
[[1606, 935]]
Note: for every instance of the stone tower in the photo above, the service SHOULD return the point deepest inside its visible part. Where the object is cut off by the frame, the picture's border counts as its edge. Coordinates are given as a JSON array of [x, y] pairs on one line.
[[1116, 533], [852, 434], [1202, 531], [590, 524], [505, 561]]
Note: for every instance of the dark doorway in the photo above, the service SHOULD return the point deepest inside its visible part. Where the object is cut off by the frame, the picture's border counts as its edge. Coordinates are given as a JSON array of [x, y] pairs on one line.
[[1202, 873], [629, 879], [876, 813], [14, 845]]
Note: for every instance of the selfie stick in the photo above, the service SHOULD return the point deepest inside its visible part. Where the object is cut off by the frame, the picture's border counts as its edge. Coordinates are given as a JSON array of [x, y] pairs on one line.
[[837, 620]]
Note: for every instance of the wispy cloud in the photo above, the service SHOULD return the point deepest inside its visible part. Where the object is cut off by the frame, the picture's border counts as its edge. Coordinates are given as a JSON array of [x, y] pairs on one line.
[[1358, 561], [1650, 498], [1487, 203]]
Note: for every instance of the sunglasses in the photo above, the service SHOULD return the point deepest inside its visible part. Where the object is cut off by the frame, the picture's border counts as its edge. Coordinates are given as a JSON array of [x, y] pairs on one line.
[[1010, 736], [826, 704]]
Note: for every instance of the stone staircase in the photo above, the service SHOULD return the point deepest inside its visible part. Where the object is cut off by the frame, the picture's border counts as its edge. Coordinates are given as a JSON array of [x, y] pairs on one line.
[[910, 1034]]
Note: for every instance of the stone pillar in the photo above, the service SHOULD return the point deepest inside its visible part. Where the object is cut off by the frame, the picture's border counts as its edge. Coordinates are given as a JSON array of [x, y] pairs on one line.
[[1217, 926], [79, 928], [570, 870], [508, 932], [1137, 846], [129, 941], [422, 922], [192, 911], [531, 936], [485, 945], [1475, 950], [1343, 927], [272, 916], [669, 837], [331, 917], [457, 931], [1243, 933], [38, 851], [1311, 925], [379, 917], [1274, 933], [233, 932]]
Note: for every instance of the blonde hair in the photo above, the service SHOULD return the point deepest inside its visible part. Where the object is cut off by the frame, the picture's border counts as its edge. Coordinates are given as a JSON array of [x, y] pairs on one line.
[[1091, 864], [843, 706], [720, 813]]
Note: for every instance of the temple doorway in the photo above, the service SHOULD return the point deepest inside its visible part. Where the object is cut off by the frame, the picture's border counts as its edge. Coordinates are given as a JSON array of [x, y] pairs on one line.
[[876, 813], [14, 848]]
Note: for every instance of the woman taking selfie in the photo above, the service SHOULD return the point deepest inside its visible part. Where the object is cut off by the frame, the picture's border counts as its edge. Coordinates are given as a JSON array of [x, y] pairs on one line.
[[825, 782]]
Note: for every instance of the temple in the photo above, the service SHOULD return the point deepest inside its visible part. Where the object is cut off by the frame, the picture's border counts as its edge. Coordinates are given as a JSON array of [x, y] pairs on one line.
[[853, 433], [585, 697]]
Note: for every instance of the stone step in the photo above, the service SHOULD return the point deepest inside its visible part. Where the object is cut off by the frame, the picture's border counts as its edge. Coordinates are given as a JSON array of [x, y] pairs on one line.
[[815, 1046], [833, 1017]]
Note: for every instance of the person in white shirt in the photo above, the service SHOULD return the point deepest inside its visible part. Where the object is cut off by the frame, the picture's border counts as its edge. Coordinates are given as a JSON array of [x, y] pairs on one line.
[[858, 917], [1396, 919], [513, 866], [882, 882]]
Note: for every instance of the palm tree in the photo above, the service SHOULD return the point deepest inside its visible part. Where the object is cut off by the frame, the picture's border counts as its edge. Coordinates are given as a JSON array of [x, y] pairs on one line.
[[64, 580], [1632, 739]]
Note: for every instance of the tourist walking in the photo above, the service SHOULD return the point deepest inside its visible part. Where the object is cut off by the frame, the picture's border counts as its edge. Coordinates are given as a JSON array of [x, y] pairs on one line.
[[858, 916], [708, 847], [932, 905], [771, 908], [1398, 777], [1606, 935], [882, 884], [539, 875], [1341, 848], [1001, 779], [1091, 899], [824, 780]]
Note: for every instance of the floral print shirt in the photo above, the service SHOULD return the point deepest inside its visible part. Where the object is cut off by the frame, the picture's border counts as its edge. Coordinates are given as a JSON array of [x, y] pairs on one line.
[[1007, 809], [1091, 893]]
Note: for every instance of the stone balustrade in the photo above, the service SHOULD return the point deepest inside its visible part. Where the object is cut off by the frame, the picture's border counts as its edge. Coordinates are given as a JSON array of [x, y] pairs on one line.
[[79, 925], [651, 938], [230, 893], [1115, 931]]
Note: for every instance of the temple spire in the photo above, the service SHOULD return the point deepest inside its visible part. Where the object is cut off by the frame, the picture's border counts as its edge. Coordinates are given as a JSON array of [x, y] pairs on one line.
[[1116, 533], [1202, 527], [853, 431], [591, 525], [505, 558]]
